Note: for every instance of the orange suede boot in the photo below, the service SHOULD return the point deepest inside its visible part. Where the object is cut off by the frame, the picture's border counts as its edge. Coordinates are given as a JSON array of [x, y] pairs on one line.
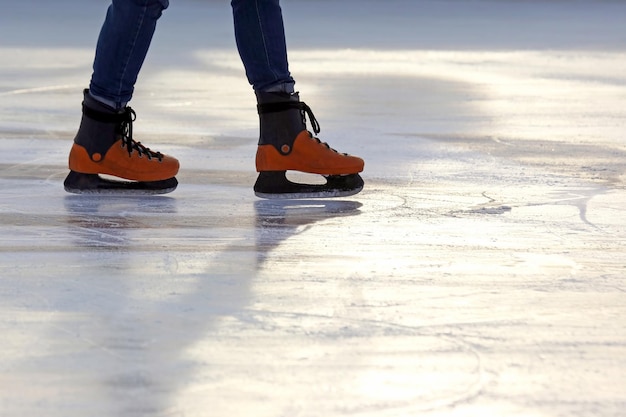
[[104, 144], [285, 144]]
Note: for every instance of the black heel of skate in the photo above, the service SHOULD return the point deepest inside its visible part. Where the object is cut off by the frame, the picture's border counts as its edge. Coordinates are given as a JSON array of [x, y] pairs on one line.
[[79, 183], [274, 184]]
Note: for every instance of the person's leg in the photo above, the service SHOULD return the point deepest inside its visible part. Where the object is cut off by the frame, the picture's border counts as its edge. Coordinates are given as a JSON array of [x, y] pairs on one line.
[[104, 142], [260, 37], [284, 141], [122, 47]]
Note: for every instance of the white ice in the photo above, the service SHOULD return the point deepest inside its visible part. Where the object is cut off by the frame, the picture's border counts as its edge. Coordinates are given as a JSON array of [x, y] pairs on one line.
[[479, 273]]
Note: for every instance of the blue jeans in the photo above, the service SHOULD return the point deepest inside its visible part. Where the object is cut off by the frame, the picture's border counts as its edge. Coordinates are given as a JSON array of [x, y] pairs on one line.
[[127, 32]]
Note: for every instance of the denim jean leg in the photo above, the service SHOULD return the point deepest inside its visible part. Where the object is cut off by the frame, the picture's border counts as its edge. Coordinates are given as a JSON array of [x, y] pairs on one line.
[[260, 37], [122, 47]]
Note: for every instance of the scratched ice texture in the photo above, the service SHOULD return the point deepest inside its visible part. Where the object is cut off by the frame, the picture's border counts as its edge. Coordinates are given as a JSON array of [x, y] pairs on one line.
[[480, 272]]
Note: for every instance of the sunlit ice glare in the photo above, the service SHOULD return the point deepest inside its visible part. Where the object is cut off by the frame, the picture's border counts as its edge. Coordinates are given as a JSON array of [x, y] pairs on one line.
[[526, 94]]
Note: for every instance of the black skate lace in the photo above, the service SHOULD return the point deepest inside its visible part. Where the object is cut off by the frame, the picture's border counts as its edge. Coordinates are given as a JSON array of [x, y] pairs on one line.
[[124, 121], [126, 130], [325, 144]]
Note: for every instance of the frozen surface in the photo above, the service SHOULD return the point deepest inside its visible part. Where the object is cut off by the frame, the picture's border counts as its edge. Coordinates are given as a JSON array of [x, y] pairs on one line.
[[480, 273]]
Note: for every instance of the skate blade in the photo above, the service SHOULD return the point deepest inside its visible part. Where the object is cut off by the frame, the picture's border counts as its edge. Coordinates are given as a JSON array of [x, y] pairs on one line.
[[275, 185], [78, 183]]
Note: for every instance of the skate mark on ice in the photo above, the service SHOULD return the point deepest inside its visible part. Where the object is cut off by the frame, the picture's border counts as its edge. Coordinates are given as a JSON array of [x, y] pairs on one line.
[[47, 316], [376, 200], [45, 89], [579, 199], [32, 170], [490, 207], [31, 308], [334, 328]]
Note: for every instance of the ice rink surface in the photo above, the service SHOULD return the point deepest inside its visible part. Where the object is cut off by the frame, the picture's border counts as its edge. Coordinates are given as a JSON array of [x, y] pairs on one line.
[[480, 272]]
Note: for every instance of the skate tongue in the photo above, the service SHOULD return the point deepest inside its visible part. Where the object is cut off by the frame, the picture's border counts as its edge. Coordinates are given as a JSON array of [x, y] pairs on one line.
[[264, 108]]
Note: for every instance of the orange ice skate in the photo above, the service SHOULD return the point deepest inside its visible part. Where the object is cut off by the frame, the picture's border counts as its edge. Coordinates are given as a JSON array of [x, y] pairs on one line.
[[104, 145], [286, 145]]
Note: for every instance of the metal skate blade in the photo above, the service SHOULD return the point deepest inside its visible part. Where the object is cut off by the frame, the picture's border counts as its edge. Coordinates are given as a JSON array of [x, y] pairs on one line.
[[79, 183], [275, 185]]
